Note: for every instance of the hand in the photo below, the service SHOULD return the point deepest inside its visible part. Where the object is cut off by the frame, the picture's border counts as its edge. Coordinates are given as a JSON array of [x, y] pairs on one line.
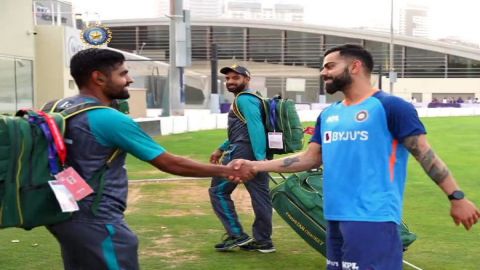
[[238, 163], [242, 170], [215, 156], [464, 212]]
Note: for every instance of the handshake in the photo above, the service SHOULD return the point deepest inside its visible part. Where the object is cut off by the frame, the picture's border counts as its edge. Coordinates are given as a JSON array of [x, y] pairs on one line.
[[238, 170], [241, 170]]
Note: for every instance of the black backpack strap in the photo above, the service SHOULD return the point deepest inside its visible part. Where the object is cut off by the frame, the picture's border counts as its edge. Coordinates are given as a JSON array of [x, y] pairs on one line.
[[82, 107], [50, 106], [100, 175]]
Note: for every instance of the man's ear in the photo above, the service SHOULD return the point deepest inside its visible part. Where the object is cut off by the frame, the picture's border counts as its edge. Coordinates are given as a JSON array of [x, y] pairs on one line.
[[99, 78], [356, 66]]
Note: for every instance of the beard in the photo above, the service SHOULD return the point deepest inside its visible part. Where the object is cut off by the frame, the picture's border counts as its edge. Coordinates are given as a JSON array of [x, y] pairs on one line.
[[236, 88], [338, 83], [117, 92]]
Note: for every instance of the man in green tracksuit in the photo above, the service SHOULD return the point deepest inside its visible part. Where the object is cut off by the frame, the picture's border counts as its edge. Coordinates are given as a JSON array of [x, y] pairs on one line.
[[246, 139], [97, 236]]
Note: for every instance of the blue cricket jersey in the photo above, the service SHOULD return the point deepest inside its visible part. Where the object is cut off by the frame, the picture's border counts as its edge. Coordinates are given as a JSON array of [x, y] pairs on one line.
[[364, 160]]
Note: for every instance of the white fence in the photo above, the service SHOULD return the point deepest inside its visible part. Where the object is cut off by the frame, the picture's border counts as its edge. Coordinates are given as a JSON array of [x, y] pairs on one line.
[[195, 120]]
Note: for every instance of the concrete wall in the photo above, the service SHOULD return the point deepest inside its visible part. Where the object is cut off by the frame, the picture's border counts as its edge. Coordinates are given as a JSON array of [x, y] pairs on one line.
[[427, 86], [137, 102], [16, 25], [195, 120], [51, 70], [181, 124]]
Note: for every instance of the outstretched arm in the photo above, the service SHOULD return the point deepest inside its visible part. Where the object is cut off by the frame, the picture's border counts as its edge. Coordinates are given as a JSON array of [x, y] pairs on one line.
[[462, 211], [187, 167], [309, 159]]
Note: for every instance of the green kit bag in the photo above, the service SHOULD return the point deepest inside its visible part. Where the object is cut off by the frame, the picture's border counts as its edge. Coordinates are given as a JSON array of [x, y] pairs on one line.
[[299, 201], [280, 115], [26, 199]]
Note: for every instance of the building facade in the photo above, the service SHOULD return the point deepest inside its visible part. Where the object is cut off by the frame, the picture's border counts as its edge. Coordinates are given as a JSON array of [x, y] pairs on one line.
[[425, 68], [17, 53], [39, 39], [285, 58]]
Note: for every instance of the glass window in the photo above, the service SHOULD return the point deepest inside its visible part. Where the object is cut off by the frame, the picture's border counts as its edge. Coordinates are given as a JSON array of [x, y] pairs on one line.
[[380, 53], [424, 64], [52, 12], [229, 42], [333, 41], [151, 41], [200, 42], [303, 49], [24, 83], [154, 42], [123, 38], [265, 45], [459, 67], [16, 84], [7, 85]]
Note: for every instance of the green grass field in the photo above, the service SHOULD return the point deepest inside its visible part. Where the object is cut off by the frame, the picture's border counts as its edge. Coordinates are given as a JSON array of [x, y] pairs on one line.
[[177, 228]]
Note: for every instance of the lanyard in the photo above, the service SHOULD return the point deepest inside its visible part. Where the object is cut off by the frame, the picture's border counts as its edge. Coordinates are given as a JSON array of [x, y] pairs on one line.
[[56, 147], [273, 115]]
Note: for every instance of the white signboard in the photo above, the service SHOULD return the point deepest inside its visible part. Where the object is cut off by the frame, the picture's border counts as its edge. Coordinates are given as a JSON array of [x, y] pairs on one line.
[[296, 84]]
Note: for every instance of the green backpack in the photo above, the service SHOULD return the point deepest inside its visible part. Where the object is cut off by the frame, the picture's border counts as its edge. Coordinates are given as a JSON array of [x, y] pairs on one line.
[[299, 201], [26, 199], [280, 115]]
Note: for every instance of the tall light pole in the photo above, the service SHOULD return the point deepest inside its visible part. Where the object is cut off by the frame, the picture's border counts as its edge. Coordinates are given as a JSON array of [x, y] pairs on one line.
[[392, 74], [171, 102], [179, 58]]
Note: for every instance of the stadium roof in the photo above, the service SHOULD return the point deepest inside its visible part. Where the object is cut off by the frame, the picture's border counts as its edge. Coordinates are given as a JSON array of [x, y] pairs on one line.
[[414, 42]]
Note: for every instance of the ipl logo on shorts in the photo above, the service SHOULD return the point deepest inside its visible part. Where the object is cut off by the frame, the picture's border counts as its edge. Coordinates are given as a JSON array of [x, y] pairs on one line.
[[96, 35], [361, 116]]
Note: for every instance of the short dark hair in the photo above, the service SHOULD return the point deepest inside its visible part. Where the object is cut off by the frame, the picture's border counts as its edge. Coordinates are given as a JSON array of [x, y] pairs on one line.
[[354, 51], [87, 61]]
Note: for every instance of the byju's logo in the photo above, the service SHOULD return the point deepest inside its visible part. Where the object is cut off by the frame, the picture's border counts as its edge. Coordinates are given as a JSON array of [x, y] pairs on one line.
[[355, 135]]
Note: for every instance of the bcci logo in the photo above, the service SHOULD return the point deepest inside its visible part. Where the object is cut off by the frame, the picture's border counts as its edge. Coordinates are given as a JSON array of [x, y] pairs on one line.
[[361, 116], [97, 35]]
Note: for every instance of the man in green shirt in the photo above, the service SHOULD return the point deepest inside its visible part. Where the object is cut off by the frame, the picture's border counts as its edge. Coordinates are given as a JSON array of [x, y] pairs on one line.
[[247, 140]]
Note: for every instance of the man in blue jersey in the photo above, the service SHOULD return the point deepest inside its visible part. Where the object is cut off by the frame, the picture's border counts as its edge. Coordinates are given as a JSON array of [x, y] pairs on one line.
[[363, 143], [97, 236], [246, 140]]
